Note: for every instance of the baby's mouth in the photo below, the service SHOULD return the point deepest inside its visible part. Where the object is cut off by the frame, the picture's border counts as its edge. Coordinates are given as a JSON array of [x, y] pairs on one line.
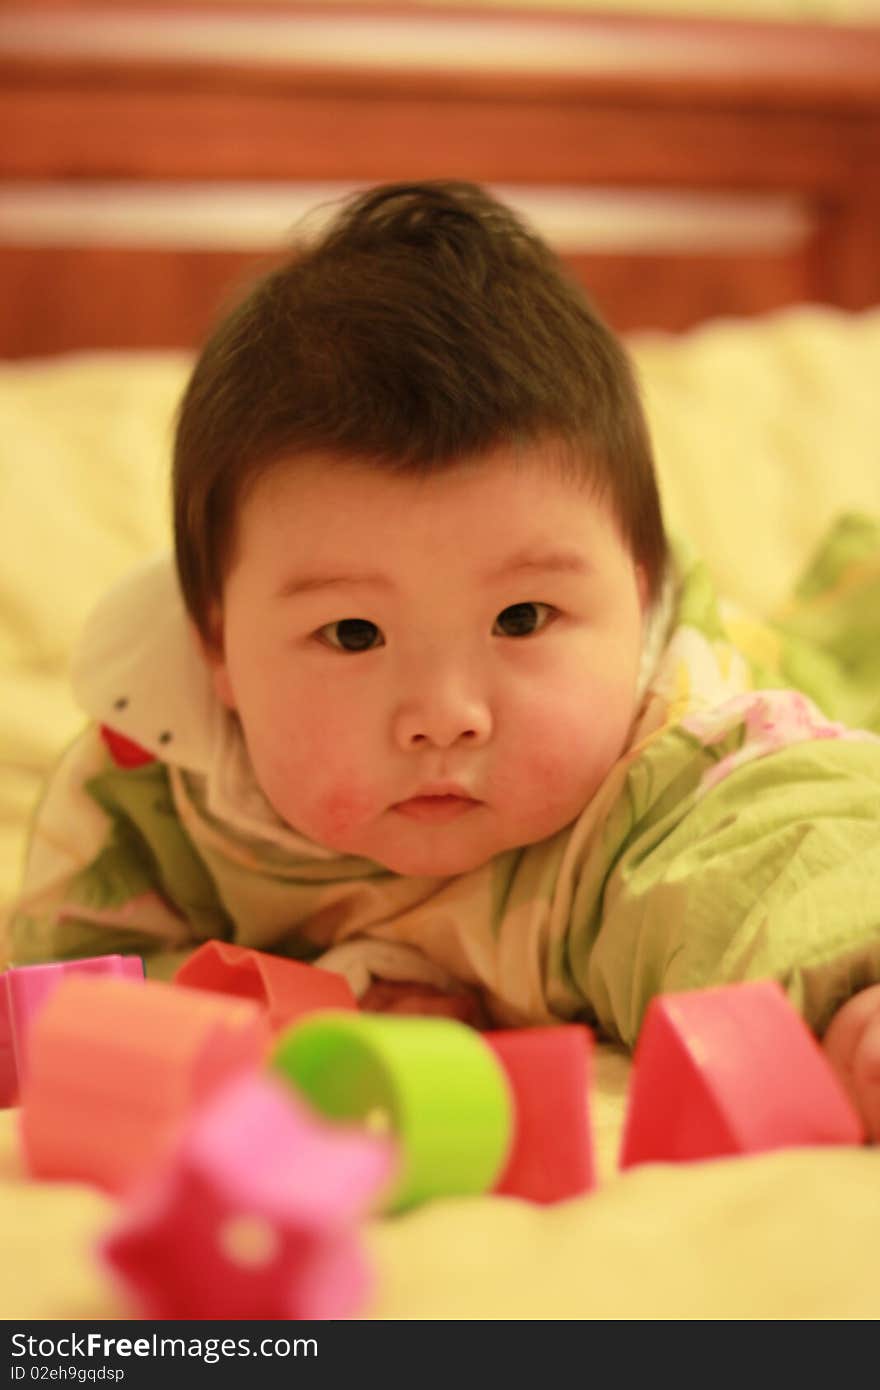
[[434, 809]]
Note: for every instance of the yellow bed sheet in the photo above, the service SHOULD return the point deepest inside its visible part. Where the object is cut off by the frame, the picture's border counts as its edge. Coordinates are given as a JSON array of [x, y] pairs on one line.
[[792, 1235]]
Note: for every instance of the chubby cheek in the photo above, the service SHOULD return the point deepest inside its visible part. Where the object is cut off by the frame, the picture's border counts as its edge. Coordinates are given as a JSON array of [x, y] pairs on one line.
[[323, 799], [567, 749], [314, 773], [341, 806]]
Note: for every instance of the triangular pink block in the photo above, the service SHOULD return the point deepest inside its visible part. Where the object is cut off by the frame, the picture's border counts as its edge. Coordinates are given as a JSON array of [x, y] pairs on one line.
[[730, 1070]]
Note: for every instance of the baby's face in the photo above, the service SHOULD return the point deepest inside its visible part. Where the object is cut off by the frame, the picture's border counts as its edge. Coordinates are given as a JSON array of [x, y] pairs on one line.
[[429, 671]]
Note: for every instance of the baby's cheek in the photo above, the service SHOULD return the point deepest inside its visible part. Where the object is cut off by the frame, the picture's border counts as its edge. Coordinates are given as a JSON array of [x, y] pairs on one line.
[[288, 775], [550, 767], [572, 753], [342, 807]]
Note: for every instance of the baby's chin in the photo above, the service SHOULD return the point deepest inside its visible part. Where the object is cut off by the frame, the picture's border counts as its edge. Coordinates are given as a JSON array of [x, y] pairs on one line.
[[430, 857], [430, 863], [438, 851], [424, 856], [442, 852], [431, 853]]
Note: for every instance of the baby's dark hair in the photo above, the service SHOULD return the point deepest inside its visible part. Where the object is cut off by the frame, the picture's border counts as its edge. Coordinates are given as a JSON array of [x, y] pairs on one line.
[[426, 326]]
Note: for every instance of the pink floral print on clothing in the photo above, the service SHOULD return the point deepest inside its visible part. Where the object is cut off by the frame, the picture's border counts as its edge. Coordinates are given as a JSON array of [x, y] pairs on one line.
[[772, 719]]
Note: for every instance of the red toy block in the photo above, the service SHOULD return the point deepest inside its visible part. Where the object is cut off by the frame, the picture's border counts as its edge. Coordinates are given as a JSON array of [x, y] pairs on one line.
[[287, 989], [730, 1070], [115, 1068], [254, 1214], [549, 1070], [28, 988]]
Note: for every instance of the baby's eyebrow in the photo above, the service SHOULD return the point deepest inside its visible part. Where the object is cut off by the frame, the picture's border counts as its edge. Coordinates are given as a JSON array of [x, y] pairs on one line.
[[308, 583], [541, 561], [523, 562]]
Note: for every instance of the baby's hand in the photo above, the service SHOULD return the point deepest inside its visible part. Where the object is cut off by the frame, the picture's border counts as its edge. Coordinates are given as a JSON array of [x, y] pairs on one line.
[[407, 997], [852, 1046]]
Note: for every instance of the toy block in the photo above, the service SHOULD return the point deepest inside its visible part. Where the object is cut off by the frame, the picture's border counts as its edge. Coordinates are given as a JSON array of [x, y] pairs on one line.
[[253, 1214], [115, 1068], [730, 1070], [287, 989], [430, 1082], [28, 987], [549, 1070], [8, 1064]]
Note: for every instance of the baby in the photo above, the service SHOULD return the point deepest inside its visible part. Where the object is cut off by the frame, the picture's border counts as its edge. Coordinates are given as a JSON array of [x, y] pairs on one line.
[[427, 699]]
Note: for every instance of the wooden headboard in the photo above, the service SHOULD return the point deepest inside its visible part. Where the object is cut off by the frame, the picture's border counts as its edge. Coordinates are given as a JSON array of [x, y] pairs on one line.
[[152, 154]]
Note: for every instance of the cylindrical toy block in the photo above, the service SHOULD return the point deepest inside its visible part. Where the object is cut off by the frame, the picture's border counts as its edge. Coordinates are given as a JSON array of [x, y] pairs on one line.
[[430, 1082], [115, 1068]]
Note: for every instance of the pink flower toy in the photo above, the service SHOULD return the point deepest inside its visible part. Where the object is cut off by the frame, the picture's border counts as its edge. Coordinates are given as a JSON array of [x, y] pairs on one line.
[[254, 1214]]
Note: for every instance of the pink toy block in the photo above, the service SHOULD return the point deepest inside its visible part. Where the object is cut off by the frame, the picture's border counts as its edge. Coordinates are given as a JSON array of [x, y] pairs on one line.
[[549, 1070], [28, 987], [8, 1065], [115, 1068], [287, 989], [727, 1071], [254, 1214]]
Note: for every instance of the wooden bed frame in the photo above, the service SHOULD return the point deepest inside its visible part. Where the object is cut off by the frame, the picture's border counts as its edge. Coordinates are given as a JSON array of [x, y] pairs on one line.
[[735, 166]]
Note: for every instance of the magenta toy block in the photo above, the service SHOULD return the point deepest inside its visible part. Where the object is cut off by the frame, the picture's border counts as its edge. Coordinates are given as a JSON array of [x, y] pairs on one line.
[[730, 1070], [8, 1066], [286, 989], [254, 1214], [28, 987], [549, 1070], [115, 1068]]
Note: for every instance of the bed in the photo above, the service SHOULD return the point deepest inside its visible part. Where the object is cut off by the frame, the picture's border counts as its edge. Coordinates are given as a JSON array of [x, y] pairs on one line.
[[715, 185]]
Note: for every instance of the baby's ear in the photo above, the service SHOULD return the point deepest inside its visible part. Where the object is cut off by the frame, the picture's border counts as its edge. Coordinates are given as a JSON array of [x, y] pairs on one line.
[[211, 646]]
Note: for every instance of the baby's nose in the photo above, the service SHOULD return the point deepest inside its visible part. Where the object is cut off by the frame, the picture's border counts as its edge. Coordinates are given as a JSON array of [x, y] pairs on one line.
[[442, 723]]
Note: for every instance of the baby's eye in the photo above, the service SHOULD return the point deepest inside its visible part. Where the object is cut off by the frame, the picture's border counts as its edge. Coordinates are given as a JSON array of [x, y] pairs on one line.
[[351, 635], [522, 619]]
